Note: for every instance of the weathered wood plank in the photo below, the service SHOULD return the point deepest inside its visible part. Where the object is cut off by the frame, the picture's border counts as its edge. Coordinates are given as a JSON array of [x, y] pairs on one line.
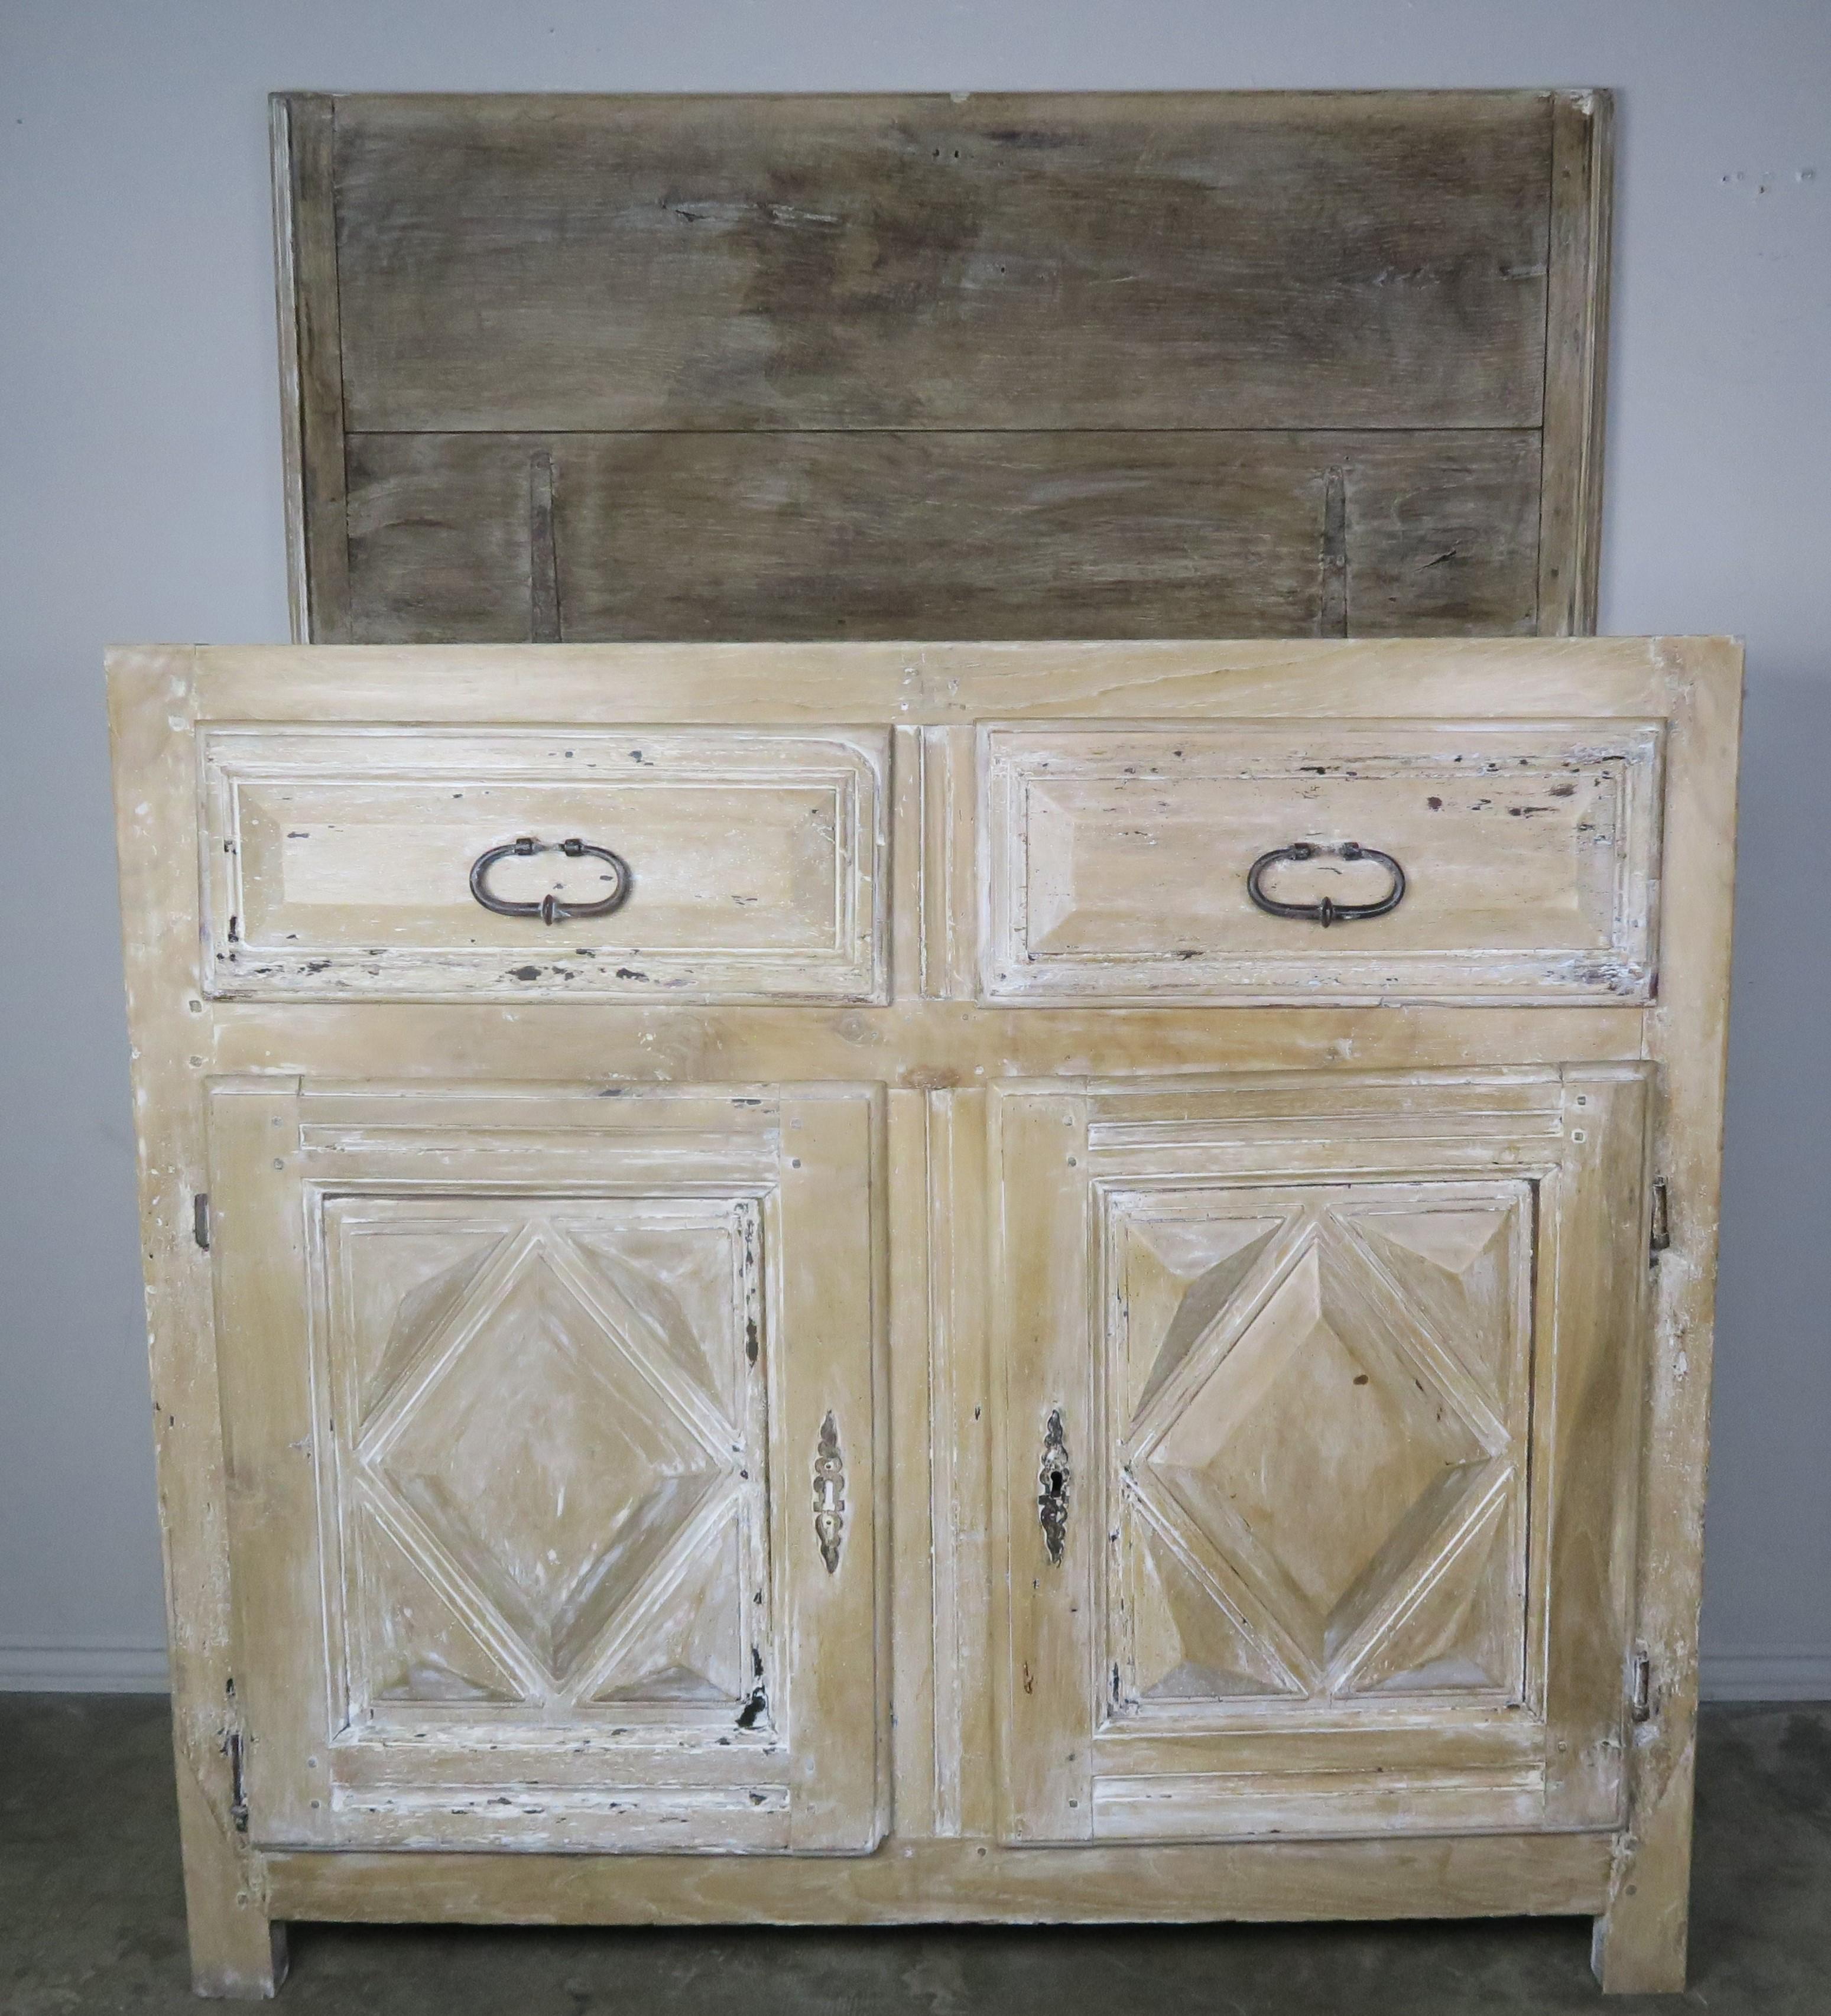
[[919, 1046], [787, 684], [964, 1882], [1047, 1541], [1163, 259], [311, 371], [1570, 547], [956, 535]]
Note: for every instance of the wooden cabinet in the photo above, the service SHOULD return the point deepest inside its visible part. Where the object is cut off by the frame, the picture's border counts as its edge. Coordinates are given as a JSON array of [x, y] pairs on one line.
[[873, 1283]]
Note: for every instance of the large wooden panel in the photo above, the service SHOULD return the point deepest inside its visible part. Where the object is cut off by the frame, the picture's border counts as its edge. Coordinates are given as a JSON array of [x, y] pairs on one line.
[[940, 535], [1175, 259], [1028, 366]]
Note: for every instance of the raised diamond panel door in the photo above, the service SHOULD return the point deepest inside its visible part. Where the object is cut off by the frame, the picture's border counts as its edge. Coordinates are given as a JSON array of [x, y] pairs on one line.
[[546, 1461], [1324, 1455], [1327, 1391], [519, 1387]]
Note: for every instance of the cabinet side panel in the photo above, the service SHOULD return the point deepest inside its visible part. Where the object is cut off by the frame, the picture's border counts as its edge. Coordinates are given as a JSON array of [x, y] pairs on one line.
[[150, 692], [1640, 1941]]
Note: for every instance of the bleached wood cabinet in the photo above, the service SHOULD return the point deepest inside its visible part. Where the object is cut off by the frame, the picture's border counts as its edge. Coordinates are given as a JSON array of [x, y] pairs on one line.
[[802, 1283], [542, 1354]]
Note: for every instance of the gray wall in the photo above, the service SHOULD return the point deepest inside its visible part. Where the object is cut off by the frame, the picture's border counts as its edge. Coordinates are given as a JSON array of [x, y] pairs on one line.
[[140, 490]]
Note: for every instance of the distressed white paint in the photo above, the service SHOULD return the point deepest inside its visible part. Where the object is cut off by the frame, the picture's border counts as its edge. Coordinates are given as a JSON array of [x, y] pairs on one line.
[[543, 1183]]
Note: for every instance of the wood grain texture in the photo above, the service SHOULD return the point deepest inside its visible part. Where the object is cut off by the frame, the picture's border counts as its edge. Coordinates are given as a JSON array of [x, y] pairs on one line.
[[963, 1412], [1640, 1940], [834, 1283], [1181, 1104], [311, 369], [915, 1538], [1148, 260], [736, 535], [500, 1445], [918, 684], [1116, 862], [1330, 1319], [1042, 1386], [1576, 360], [965, 1882], [1170, 364], [1587, 1459], [747, 865]]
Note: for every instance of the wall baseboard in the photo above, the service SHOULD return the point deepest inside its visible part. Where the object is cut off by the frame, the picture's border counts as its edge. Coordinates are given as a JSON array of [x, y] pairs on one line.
[[83, 1669], [1779, 1673]]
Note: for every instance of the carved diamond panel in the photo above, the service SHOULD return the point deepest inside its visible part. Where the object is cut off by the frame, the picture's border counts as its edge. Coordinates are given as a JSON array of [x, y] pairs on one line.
[[1322, 1463], [550, 1471]]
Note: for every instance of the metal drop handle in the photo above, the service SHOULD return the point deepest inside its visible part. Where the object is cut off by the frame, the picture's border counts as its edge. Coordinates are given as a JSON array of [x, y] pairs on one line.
[[1327, 911], [549, 909]]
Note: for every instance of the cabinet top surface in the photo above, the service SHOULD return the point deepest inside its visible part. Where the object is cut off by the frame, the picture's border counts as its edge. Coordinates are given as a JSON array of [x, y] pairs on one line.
[[914, 683]]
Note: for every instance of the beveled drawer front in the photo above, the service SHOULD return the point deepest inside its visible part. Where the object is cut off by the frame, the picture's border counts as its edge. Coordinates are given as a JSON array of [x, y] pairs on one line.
[[725, 865], [1115, 862]]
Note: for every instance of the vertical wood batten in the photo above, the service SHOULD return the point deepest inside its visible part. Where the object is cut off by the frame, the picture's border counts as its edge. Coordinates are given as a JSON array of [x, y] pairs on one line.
[[1576, 318], [312, 370]]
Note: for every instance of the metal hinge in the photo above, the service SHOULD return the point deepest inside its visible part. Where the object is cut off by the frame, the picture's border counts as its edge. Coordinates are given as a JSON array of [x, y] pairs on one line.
[[1640, 1688], [1659, 1235], [231, 1749], [200, 1220]]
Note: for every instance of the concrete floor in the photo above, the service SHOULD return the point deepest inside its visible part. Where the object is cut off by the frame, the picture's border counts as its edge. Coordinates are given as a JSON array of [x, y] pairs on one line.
[[91, 1919]]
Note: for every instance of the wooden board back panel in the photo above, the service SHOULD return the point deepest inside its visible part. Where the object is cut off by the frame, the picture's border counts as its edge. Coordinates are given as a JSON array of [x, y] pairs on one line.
[[549, 331], [955, 534], [1250, 259]]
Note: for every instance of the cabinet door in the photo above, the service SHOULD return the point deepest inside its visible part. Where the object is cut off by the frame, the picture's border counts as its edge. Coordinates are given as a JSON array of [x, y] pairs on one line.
[[1319, 1450], [550, 1436]]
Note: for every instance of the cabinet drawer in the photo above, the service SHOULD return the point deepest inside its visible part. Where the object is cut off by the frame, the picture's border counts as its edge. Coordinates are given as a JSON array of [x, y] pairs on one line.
[[741, 865], [1115, 862]]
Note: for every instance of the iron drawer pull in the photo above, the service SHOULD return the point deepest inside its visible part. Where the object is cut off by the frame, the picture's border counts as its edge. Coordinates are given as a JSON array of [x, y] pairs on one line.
[[549, 909], [1328, 911]]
